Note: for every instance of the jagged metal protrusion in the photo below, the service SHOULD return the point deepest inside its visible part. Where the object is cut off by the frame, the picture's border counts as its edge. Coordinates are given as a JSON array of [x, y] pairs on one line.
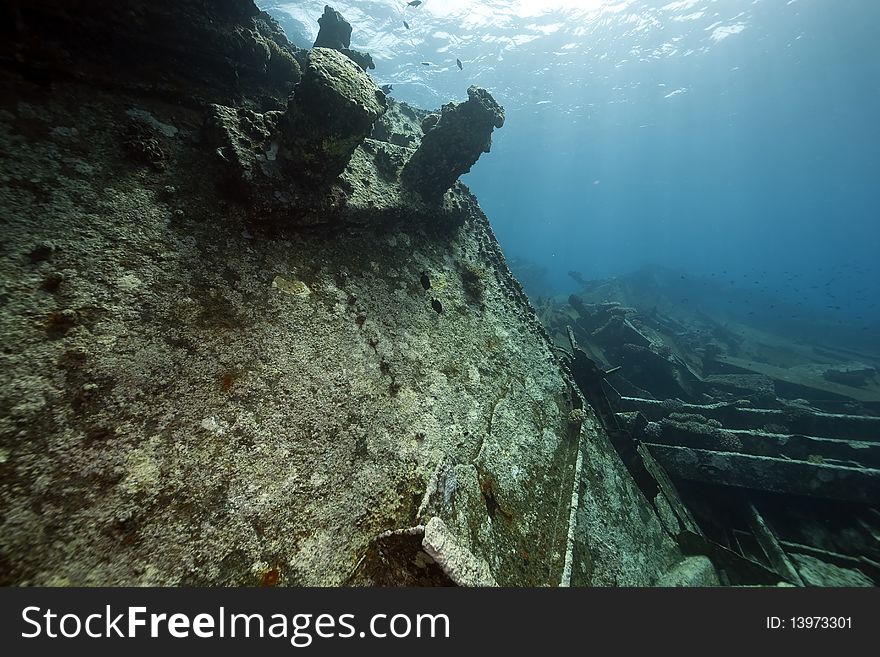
[[453, 145], [335, 33]]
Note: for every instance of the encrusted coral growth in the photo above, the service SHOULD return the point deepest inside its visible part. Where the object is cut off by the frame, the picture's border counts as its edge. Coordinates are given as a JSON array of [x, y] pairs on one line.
[[331, 112], [335, 33], [452, 145], [472, 280]]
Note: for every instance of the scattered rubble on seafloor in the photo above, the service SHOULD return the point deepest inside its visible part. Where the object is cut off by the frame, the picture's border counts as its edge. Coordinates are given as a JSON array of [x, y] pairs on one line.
[[761, 479]]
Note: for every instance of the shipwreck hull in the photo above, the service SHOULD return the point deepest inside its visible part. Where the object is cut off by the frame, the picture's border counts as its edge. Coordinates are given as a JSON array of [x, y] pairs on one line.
[[218, 374]]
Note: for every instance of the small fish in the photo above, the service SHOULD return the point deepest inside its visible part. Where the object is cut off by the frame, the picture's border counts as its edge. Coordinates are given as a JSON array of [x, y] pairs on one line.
[[414, 3], [426, 63], [458, 63], [406, 25]]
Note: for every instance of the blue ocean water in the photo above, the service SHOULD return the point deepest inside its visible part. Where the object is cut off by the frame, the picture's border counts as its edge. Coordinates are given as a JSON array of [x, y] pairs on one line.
[[734, 141]]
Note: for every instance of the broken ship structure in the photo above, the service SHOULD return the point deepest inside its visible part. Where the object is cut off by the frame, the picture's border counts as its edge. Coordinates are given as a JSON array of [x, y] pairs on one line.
[[778, 477]]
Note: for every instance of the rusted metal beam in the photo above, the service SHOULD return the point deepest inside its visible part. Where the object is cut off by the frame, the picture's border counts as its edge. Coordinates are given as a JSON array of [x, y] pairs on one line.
[[668, 490], [761, 443], [768, 542], [796, 421], [733, 567], [770, 474], [865, 565]]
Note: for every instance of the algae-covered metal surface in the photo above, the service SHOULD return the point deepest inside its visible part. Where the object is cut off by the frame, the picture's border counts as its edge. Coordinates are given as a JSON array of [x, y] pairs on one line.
[[217, 374]]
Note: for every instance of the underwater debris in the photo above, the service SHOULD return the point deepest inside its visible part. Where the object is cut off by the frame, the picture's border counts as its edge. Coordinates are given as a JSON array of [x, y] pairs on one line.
[[450, 149]]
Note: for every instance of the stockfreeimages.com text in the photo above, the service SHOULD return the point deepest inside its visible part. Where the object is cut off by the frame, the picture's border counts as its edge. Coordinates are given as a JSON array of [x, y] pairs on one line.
[[300, 629]]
